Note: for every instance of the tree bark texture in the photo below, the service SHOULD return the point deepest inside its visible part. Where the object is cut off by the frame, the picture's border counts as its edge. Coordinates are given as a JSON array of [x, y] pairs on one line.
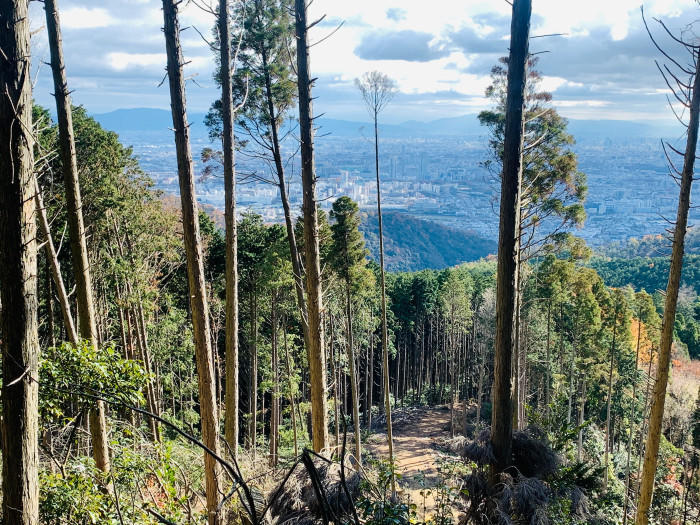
[[508, 243], [314, 298], [79, 256], [674, 278], [231, 424], [195, 259], [18, 270]]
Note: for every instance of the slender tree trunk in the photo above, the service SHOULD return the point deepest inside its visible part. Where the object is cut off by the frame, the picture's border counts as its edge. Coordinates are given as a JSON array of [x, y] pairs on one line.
[[48, 297], [632, 418], [581, 415], [570, 402], [645, 411], [284, 196], [122, 324], [607, 416], [145, 360], [674, 277], [151, 394], [195, 260], [507, 269], [517, 387], [292, 403], [275, 401], [385, 330], [370, 393], [254, 374], [421, 364], [18, 269], [52, 258], [81, 266], [315, 346], [365, 407], [480, 392], [454, 372], [548, 376], [141, 337], [231, 424], [336, 382], [353, 377]]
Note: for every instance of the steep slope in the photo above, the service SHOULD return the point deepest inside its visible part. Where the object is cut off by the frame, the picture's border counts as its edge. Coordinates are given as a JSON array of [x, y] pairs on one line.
[[415, 244]]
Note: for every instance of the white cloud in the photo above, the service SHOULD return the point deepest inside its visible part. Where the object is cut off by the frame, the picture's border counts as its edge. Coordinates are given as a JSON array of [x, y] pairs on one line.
[[582, 103], [85, 18], [133, 45], [121, 61]]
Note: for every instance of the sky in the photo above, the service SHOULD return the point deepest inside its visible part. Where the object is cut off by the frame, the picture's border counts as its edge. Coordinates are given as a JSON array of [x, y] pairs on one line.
[[439, 52]]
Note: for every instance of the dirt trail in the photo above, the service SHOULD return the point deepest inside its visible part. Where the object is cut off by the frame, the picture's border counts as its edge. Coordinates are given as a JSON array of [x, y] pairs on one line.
[[415, 436]]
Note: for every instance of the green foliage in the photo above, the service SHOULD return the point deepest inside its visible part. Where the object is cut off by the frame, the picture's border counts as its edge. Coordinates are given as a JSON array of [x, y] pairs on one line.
[[646, 273], [554, 188], [429, 246], [441, 320], [74, 498], [69, 373], [263, 75], [347, 253], [172, 347], [651, 246], [377, 505]]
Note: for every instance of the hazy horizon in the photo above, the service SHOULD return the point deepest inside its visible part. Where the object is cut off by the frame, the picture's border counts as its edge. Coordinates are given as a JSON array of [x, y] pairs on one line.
[[601, 66]]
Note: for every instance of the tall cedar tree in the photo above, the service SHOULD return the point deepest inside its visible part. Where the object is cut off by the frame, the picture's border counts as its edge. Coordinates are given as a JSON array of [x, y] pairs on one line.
[[689, 96], [553, 189], [231, 427], [264, 76], [18, 269], [347, 257], [455, 305], [377, 90], [314, 296], [195, 260], [508, 245], [78, 243], [253, 246]]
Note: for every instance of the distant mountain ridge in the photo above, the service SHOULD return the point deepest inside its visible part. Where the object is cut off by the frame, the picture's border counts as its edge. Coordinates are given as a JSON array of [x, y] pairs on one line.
[[144, 119], [152, 119]]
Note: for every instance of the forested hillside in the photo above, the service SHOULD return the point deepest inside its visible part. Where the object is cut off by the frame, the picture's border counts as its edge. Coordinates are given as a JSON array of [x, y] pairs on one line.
[[646, 273], [652, 246], [415, 244], [165, 362]]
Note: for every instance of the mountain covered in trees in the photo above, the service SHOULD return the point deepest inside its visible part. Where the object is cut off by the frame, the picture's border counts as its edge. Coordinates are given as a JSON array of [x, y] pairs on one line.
[[415, 244], [161, 366], [652, 246]]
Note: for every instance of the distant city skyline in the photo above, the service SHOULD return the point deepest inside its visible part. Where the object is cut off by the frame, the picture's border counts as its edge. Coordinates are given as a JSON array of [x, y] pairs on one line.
[[440, 53]]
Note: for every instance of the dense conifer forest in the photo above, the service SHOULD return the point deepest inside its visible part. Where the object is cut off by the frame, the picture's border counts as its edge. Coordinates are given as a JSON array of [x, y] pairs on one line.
[[162, 365]]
